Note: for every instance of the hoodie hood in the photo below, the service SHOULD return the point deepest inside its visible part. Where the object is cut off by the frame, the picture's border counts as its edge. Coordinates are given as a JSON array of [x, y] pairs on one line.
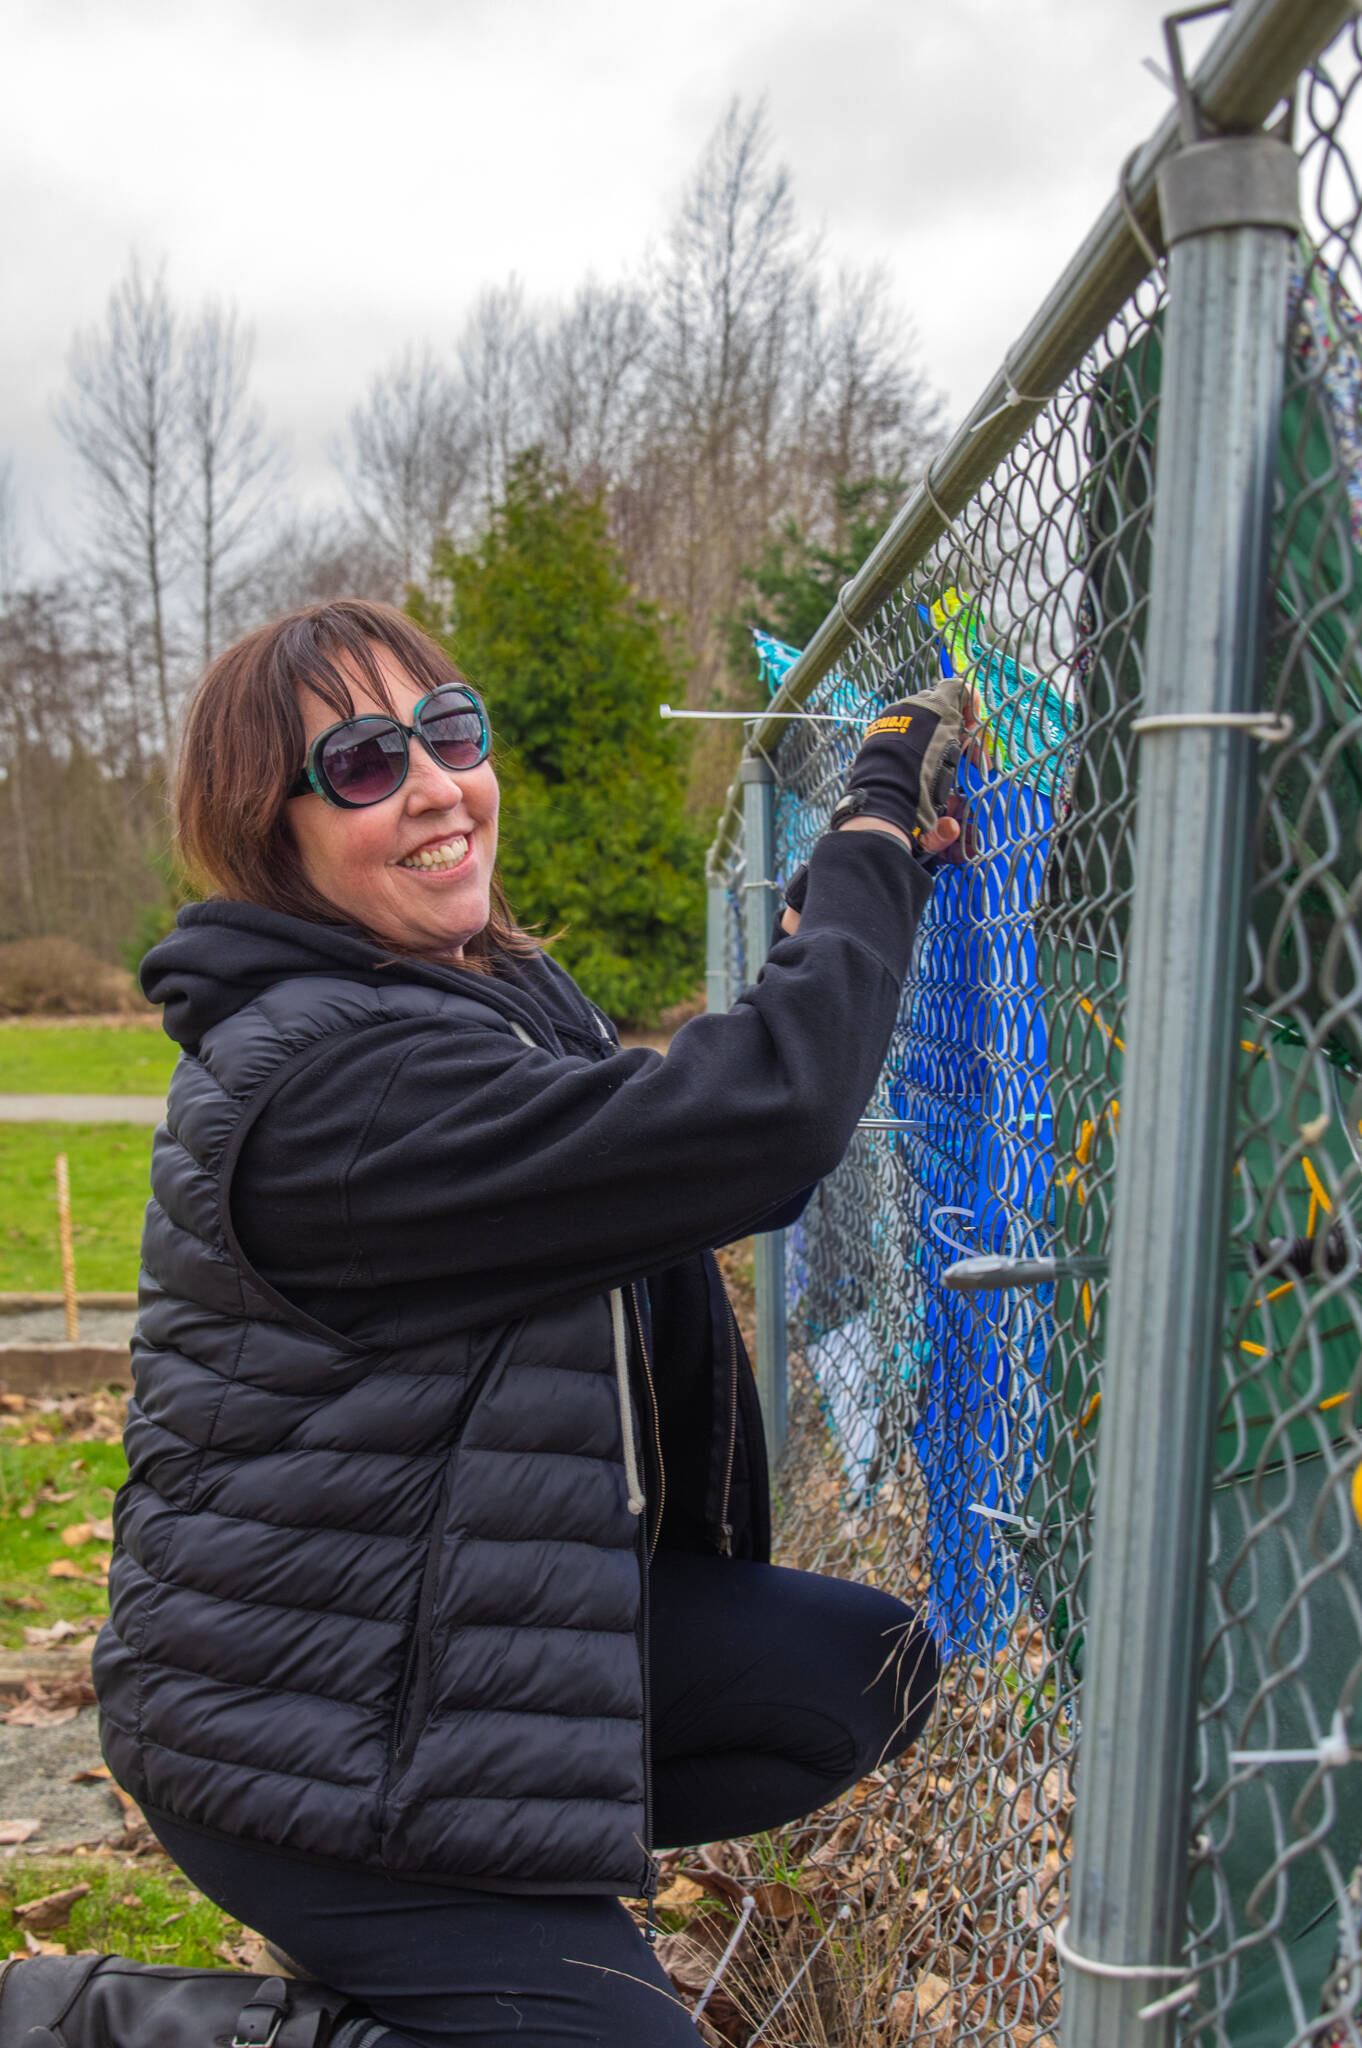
[[222, 955]]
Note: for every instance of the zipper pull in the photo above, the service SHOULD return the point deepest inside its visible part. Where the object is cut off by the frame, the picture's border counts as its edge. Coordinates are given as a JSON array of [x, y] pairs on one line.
[[725, 1539]]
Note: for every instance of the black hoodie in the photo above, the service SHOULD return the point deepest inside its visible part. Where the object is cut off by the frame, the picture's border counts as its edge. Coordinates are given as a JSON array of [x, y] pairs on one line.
[[422, 1180]]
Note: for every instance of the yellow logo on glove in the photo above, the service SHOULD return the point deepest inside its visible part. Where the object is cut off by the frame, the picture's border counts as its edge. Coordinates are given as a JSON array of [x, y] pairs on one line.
[[897, 724]]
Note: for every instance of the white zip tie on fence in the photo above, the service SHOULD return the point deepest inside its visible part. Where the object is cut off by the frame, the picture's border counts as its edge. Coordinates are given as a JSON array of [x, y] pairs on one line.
[[1014, 397], [1259, 725], [1330, 1753], [1127, 1973], [977, 1507], [749, 1907], [842, 1913]]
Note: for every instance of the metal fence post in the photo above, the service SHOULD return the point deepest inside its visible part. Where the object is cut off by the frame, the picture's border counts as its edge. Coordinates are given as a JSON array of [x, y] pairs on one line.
[[759, 909], [1229, 210], [716, 943]]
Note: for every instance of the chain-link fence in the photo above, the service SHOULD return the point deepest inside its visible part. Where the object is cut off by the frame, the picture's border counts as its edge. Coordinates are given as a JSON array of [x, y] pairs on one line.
[[971, 1296]]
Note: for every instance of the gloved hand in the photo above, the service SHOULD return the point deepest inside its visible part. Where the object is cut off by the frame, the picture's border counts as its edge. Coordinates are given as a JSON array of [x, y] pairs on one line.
[[906, 768]]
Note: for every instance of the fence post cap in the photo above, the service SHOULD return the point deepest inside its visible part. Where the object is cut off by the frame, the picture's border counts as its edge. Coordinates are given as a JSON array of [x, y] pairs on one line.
[[1234, 181]]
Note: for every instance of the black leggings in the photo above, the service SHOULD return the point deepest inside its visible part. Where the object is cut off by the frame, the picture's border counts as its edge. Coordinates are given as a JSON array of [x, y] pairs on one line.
[[772, 1692]]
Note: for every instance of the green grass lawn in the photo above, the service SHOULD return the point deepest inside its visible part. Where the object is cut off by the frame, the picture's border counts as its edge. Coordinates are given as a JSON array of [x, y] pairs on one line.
[[148, 1912], [84, 1059], [109, 1164], [45, 1488]]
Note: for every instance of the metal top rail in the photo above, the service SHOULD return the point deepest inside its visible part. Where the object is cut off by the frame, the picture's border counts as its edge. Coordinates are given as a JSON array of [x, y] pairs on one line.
[[1250, 67]]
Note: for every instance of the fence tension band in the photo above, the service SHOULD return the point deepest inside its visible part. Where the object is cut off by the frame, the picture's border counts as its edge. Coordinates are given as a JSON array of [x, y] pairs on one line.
[[1127, 1973], [1259, 725]]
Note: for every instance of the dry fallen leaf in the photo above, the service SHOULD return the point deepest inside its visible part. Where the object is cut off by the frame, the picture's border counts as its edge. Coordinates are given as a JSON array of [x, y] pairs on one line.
[[76, 1533], [778, 1901], [96, 1774], [27, 1510], [679, 1896], [40, 1638], [33, 1714], [53, 1909], [67, 1568], [34, 1947], [102, 1529], [18, 1830]]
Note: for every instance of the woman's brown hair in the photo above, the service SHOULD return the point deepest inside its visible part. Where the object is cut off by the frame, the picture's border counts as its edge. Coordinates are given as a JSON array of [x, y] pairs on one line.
[[244, 742]]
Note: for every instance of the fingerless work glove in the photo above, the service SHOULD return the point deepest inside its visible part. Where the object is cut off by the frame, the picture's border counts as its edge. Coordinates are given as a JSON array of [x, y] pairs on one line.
[[906, 768]]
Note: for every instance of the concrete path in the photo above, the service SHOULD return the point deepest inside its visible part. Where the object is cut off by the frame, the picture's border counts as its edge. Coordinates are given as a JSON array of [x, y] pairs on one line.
[[36, 1769], [82, 1109]]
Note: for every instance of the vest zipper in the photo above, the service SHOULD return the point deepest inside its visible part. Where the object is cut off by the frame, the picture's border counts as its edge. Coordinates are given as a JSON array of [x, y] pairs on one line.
[[621, 1341], [416, 1670], [725, 1526], [656, 1425], [414, 1684]]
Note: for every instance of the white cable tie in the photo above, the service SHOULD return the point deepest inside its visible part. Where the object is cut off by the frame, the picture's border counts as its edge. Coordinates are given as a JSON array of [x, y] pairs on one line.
[[1260, 725], [1330, 1753], [976, 1507], [1014, 397], [1116, 1973], [749, 1907]]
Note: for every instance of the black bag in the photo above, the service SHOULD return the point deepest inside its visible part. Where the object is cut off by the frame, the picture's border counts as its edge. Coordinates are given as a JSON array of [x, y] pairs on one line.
[[109, 2002]]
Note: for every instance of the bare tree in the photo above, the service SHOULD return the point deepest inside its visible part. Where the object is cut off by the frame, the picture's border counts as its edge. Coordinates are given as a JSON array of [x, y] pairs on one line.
[[496, 361], [234, 468], [733, 291], [310, 559], [124, 419], [590, 376], [408, 459]]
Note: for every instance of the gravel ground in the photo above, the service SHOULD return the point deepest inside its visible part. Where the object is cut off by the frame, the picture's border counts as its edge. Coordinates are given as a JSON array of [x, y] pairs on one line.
[[48, 1326], [36, 1766]]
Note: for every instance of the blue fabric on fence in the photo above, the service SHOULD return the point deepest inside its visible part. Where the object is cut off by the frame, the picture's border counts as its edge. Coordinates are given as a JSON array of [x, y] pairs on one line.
[[972, 1078]]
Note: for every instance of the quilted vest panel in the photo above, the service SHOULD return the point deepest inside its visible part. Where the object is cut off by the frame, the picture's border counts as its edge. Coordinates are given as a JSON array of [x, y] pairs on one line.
[[382, 1607]]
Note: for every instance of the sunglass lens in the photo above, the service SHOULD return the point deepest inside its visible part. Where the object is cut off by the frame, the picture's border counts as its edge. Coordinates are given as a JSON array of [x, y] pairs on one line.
[[453, 727], [364, 762]]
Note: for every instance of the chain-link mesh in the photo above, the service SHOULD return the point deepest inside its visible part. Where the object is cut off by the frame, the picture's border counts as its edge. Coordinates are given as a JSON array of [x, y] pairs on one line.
[[944, 1442]]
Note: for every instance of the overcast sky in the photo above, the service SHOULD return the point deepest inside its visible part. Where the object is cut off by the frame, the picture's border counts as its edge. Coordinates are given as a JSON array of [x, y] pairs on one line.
[[352, 172]]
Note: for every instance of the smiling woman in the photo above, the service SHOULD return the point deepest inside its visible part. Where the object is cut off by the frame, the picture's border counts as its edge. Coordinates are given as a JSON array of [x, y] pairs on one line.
[[299, 737], [441, 1594]]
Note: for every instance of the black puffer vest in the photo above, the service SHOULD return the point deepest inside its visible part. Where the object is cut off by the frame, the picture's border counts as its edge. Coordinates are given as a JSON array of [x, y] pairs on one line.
[[382, 1607]]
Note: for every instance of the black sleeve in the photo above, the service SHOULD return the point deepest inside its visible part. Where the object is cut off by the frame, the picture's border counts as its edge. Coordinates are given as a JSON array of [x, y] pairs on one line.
[[510, 1175]]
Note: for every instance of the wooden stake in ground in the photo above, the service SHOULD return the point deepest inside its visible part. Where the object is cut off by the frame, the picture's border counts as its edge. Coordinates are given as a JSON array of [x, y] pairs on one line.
[[68, 1256]]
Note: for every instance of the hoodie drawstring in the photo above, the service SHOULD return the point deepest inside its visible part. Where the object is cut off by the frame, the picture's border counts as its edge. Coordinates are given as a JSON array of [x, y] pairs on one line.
[[632, 1480]]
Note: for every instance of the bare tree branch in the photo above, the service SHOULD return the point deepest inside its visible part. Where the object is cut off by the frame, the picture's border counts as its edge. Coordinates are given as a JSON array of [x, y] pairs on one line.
[[235, 468], [409, 459], [124, 419]]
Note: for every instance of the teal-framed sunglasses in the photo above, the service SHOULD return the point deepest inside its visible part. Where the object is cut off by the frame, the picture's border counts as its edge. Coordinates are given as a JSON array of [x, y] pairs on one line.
[[360, 761]]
